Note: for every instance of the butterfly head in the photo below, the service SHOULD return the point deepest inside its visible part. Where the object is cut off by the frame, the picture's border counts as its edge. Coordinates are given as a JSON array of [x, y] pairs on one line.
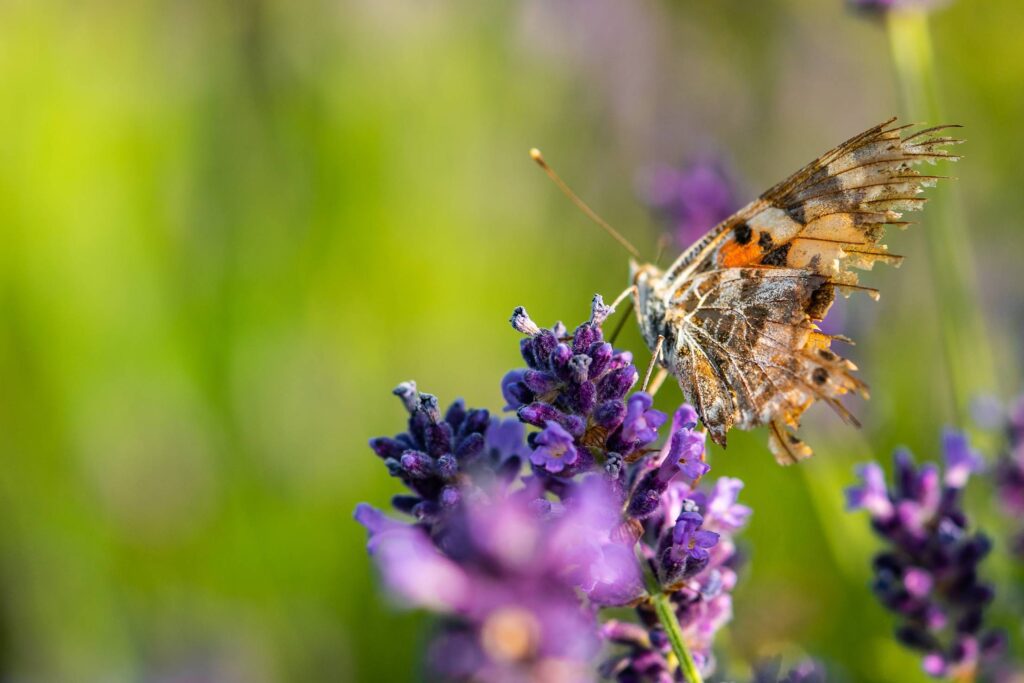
[[641, 274]]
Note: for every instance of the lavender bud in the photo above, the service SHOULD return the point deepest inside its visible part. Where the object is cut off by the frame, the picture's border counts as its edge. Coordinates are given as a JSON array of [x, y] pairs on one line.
[[447, 467], [540, 383], [585, 398], [601, 355], [438, 437], [514, 391], [429, 406], [585, 335], [559, 362], [575, 425], [387, 448], [470, 447], [538, 414], [599, 311], [426, 511], [406, 391], [545, 344], [610, 415], [646, 497], [613, 465], [394, 467], [617, 383], [405, 503], [417, 464], [579, 366], [521, 322], [456, 414], [450, 496], [528, 350]]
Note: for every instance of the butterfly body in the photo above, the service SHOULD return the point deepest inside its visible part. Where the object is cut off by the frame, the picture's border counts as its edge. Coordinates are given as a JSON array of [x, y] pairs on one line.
[[738, 311]]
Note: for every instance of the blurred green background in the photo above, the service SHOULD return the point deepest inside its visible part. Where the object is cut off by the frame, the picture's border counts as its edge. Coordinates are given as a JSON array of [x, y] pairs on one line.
[[230, 227]]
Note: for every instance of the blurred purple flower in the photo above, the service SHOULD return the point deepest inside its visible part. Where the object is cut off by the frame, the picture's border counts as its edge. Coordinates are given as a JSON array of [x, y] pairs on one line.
[[599, 563], [873, 494], [807, 671], [1009, 473], [723, 513], [928, 574], [411, 566], [498, 568], [883, 6], [694, 197]]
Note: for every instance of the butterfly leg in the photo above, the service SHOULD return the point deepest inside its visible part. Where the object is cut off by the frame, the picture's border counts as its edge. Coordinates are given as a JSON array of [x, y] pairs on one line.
[[654, 360], [621, 323], [628, 292]]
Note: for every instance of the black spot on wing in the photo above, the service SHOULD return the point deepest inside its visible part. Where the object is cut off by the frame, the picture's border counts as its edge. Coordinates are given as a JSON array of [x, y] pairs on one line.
[[820, 375], [777, 257], [742, 233], [765, 241], [821, 299]]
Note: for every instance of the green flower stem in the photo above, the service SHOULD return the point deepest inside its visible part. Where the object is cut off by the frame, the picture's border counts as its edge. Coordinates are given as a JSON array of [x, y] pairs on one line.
[[669, 621], [964, 341], [667, 616]]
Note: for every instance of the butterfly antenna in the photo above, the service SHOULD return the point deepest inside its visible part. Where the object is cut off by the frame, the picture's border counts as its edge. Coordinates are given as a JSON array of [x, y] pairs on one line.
[[662, 246], [581, 205]]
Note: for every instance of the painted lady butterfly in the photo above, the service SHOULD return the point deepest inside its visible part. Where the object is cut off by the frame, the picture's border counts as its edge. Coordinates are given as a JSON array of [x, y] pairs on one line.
[[734, 318]]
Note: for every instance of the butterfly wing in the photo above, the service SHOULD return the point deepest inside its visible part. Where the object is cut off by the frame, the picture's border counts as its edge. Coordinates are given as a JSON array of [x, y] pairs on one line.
[[744, 299], [747, 352]]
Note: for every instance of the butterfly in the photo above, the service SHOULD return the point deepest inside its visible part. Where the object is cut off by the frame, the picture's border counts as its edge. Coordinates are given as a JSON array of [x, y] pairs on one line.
[[734, 318]]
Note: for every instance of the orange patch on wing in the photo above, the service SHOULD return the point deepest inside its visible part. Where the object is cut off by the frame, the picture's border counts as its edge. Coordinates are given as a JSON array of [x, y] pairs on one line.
[[733, 254]]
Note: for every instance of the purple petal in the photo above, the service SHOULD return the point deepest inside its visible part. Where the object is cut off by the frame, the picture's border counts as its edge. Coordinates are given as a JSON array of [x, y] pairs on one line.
[[961, 460]]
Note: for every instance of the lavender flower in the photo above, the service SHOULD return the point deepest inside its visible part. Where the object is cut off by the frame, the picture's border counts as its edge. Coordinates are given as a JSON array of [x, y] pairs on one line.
[[506, 555], [682, 454], [495, 570], [1009, 473], [694, 198], [879, 7], [640, 425], [574, 388], [928, 575], [688, 542], [436, 452]]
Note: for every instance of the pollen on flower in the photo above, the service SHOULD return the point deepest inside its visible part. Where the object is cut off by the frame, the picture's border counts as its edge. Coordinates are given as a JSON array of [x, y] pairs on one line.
[[509, 634]]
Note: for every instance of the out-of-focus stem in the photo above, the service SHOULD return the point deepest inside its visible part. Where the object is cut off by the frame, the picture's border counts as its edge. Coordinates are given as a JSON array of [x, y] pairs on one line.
[[667, 616], [965, 343]]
